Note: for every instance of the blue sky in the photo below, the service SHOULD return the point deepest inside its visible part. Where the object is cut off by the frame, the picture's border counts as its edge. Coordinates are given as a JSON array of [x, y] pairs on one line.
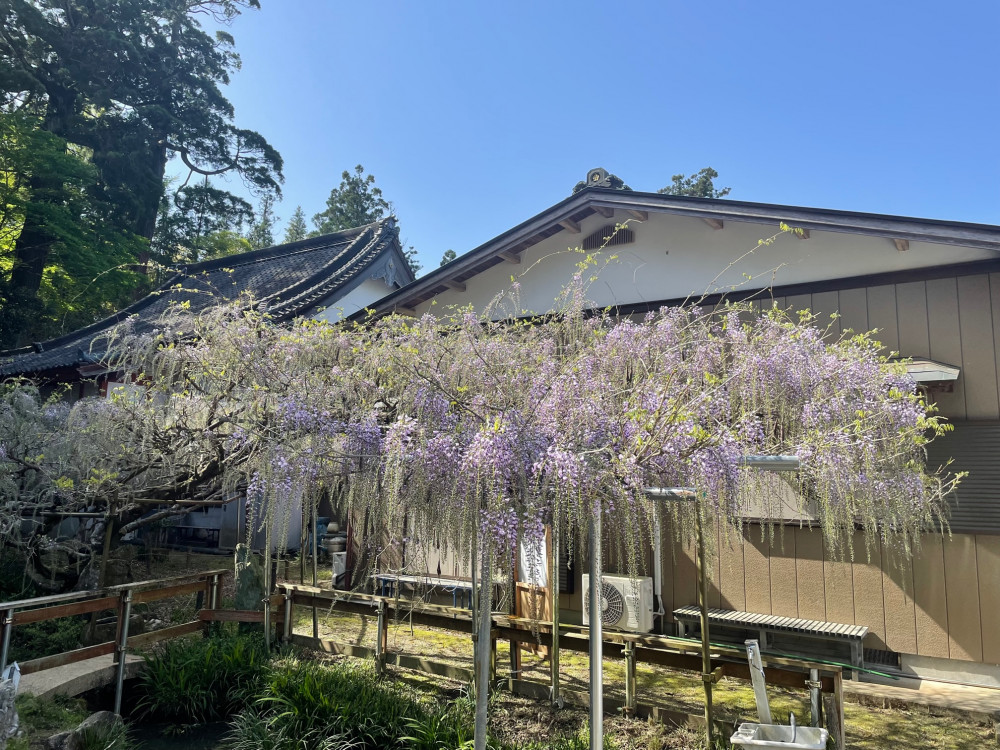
[[475, 116]]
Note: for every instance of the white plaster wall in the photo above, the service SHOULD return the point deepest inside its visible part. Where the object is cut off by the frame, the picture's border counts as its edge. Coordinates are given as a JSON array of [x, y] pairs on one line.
[[676, 256], [362, 296]]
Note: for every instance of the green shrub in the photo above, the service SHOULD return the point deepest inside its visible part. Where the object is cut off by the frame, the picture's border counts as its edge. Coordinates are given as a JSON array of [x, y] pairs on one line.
[[195, 680], [109, 737]]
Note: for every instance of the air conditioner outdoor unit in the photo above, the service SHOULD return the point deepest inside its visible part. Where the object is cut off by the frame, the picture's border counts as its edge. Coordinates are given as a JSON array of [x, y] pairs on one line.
[[626, 603]]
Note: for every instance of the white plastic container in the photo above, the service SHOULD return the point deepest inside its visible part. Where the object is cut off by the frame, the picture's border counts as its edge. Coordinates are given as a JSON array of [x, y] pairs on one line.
[[780, 736]]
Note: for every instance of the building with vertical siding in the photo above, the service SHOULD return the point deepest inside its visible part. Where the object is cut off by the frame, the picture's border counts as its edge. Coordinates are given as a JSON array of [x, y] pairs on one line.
[[931, 289]]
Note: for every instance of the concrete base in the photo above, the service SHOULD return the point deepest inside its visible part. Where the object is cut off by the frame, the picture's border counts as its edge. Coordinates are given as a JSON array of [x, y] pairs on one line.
[[79, 677], [950, 670]]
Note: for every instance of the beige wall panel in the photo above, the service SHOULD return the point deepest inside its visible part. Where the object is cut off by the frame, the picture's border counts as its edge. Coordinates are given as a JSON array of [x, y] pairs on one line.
[[988, 565], [930, 597], [838, 588], [824, 304], [798, 302], [979, 368], [897, 594], [811, 589], [853, 307], [715, 571], [946, 339], [667, 570], [882, 314], [784, 600], [965, 637], [731, 577], [685, 575], [757, 571], [911, 309], [868, 603]]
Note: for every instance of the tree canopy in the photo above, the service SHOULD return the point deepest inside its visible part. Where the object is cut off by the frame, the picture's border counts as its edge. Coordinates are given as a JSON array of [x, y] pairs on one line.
[[354, 203], [699, 185], [114, 90]]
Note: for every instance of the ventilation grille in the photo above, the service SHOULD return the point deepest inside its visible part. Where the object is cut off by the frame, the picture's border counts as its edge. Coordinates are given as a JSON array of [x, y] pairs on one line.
[[606, 236], [879, 658]]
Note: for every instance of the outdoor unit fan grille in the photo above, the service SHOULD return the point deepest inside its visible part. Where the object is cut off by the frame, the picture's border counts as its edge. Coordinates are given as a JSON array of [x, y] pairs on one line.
[[612, 603]]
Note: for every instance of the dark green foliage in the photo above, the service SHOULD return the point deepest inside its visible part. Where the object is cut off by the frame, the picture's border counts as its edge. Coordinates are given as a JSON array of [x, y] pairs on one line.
[[355, 203], [113, 90], [50, 714], [296, 229], [45, 638], [107, 737], [698, 185], [448, 257], [261, 233], [195, 680]]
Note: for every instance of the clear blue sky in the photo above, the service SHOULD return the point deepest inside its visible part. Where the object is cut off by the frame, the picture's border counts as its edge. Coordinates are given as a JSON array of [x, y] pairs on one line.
[[475, 116]]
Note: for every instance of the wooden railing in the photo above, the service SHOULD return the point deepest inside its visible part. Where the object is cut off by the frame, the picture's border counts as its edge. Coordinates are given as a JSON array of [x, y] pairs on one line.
[[675, 653], [120, 600]]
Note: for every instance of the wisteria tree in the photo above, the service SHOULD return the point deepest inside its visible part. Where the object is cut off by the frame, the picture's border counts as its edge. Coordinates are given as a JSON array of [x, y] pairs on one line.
[[489, 427]]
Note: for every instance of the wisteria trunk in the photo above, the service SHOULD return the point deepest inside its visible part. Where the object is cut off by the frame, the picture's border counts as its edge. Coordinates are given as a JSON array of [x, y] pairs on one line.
[[482, 652]]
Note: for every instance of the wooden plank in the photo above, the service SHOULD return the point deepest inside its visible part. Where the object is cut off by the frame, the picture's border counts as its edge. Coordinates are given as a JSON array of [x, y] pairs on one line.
[[826, 305], [911, 303], [945, 334], [756, 560], [455, 286], [901, 245], [165, 634], [883, 316], [67, 657], [784, 599], [41, 614], [897, 594], [929, 593], [961, 582], [429, 666], [43, 601], [988, 564], [231, 615], [853, 307], [838, 588], [810, 587], [869, 607], [979, 368], [509, 257], [154, 595], [714, 223], [605, 211], [731, 580], [573, 227]]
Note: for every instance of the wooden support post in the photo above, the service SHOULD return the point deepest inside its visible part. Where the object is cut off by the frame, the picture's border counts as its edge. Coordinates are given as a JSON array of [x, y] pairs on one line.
[[557, 702], [706, 655], [838, 707], [6, 625], [381, 638], [630, 679], [124, 613]]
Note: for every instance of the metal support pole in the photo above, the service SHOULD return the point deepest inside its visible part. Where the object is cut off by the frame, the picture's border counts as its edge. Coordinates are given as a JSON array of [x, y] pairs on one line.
[[381, 639], [6, 625], [475, 605], [557, 701], [630, 679], [596, 638], [758, 682], [288, 618], [815, 703], [124, 613], [315, 568], [213, 599], [706, 654]]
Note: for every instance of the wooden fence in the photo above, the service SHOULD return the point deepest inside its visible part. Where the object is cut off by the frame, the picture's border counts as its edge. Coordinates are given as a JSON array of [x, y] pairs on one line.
[[634, 648], [120, 600]]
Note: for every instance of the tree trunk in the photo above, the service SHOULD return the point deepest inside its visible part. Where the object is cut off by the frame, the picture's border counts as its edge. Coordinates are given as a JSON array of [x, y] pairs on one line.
[[482, 648]]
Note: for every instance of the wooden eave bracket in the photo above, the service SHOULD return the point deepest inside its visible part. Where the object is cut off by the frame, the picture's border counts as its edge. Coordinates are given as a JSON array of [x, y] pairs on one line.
[[714, 223], [605, 211], [455, 286], [570, 226], [640, 215], [901, 245], [509, 257], [802, 234], [407, 311]]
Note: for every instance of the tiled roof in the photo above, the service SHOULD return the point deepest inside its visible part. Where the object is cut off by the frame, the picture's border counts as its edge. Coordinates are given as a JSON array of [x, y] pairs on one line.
[[290, 278]]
